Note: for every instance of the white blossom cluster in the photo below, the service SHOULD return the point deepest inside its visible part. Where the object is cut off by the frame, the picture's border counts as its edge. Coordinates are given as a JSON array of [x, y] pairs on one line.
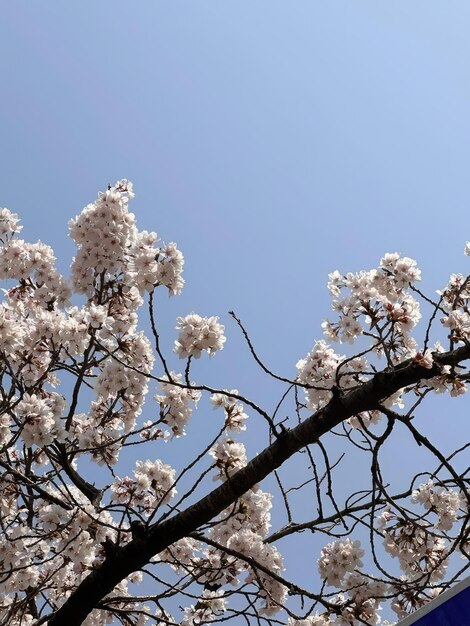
[[405, 603], [319, 373], [339, 558], [380, 303], [33, 265], [243, 529], [252, 512], [377, 300], [209, 606], [250, 544], [40, 418], [120, 392], [445, 503], [214, 566], [182, 554], [110, 246], [235, 415], [366, 595], [230, 456], [104, 233], [9, 224], [175, 403], [150, 266], [62, 544], [364, 419], [454, 299], [418, 550], [359, 603], [170, 267], [198, 334], [152, 485]]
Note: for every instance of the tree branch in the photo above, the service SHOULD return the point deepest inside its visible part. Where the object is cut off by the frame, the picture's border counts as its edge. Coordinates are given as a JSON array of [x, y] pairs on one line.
[[134, 555]]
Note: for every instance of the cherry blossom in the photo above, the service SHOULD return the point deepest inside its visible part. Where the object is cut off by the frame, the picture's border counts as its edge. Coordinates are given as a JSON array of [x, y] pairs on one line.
[[90, 520], [198, 334], [338, 558]]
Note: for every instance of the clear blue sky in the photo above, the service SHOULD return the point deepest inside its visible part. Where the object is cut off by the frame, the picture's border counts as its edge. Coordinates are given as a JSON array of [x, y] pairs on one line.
[[273, 141]]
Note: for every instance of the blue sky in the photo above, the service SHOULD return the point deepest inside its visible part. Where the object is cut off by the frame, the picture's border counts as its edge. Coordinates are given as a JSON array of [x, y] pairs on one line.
[[273, 141]]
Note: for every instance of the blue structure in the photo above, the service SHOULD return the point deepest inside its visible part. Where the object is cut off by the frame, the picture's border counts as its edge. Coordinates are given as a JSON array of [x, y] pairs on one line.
[[451, 608]]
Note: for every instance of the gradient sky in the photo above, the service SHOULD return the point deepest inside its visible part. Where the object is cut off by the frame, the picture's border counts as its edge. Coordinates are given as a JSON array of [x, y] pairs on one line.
[[273, 141]]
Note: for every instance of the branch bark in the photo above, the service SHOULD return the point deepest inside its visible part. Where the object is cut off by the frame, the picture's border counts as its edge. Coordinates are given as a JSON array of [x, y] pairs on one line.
[[122, 561]]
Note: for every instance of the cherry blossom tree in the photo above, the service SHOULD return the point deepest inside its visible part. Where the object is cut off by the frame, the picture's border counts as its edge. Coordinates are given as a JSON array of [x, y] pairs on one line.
[[83, 544]]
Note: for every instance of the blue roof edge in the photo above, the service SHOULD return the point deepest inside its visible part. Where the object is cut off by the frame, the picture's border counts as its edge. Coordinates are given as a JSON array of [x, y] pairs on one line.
[[433, 604]]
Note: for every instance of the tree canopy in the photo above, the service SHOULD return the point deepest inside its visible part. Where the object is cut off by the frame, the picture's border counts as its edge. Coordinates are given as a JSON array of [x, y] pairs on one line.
[[83, 388]]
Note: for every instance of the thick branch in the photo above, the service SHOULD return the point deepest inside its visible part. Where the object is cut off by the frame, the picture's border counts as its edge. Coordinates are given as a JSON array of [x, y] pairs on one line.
[[137, 553]]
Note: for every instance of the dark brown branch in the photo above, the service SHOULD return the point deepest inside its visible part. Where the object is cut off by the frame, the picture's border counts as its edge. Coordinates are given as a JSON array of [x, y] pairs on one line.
[[138, 552]]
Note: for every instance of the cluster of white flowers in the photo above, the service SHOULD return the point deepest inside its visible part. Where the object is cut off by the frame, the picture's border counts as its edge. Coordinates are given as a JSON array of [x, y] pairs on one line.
[[339, 558], [252, 512], [230, 456], [121, 392], [364, 419], [110, 246], [406, 602], [234, 410], [459, 323], [97, 433], [175, 403], [182, 554], [104, 233], [62, 544], [445, 503], [170, 268], [242, 528], [418, 550], [366, 595], [150, 266], [32, 338], [445, 381], [116, 377], [152, 485], [209, 606], [198, 334], [455, 298], [319, 373], [379, 300], [9, 224], [360, 603], [40, 418], [158, 476], [250, 544], [33, 265], [215, 566]]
